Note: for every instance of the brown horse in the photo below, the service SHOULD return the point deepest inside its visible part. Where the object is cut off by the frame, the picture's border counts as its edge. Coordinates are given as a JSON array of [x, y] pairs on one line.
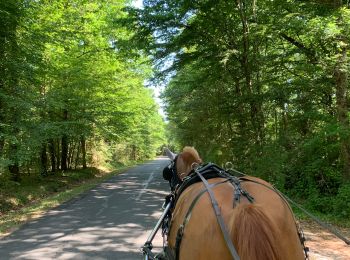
[[263, 230]]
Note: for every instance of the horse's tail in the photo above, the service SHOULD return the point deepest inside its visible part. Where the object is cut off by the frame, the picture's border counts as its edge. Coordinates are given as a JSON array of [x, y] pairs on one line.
[[253, 234]]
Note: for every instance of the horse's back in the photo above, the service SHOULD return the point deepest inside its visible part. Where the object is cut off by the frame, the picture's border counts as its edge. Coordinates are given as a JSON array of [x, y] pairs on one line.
[[202, 238]]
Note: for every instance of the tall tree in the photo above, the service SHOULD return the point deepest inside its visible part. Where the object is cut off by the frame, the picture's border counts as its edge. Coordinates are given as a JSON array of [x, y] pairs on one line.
[[263, 85], [66, 85]]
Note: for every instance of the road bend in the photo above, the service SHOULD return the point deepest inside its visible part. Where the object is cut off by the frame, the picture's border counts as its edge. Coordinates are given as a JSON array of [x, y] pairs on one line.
[[111, 221]]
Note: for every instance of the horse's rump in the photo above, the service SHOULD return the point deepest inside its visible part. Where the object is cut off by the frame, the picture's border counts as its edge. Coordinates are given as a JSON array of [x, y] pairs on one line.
[[263, 230]]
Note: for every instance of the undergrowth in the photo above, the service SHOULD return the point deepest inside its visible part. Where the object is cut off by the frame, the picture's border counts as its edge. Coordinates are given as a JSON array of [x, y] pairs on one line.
[[21, 201]]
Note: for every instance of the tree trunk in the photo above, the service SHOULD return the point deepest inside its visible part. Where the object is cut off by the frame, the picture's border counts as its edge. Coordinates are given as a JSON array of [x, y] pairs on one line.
[[69, 154], [83, 151], [77, 157], [241, 113], [341, 85], [58, 153], [255, 111], [72, 146], [14, 167], [52, 155], [64, 152], [64, 145], [133, 152], [2, 144], [43, 160]]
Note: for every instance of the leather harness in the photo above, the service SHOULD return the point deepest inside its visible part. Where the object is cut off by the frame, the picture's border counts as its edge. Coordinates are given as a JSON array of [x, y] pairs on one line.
[[202, 174]]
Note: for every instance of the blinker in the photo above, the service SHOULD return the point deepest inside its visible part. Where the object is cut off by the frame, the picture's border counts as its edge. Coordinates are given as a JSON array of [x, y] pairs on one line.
[[167, 172]]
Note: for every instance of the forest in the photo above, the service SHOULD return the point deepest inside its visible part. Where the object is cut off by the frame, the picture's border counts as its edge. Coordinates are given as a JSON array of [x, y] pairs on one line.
[[67, 91], [71, 96], [260, 85]]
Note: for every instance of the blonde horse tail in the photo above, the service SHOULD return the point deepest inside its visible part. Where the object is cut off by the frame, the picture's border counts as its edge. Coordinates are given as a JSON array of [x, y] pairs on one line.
[[253, 234]]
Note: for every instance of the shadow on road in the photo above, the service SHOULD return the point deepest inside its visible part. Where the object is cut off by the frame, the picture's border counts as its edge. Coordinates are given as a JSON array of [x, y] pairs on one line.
[[111, 221]]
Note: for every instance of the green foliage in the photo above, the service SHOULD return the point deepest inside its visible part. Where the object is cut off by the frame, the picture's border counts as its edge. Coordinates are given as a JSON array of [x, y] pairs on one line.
[[341, 202], [16, 195], [66, 84], [262, 85]]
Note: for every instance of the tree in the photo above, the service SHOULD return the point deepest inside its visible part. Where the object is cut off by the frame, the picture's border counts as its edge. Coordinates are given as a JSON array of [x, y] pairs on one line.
[[260, 84], [67, 85]]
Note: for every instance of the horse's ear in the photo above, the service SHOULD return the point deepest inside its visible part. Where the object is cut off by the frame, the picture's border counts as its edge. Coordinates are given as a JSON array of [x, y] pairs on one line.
[[170, 154]]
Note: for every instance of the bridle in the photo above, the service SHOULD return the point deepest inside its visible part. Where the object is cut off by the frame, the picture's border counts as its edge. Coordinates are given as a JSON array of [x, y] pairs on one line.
[[172, 171], [170, 174]]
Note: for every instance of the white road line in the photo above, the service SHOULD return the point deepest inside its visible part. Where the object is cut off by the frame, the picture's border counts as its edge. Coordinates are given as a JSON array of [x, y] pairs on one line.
[[145, 185], [104, 206]]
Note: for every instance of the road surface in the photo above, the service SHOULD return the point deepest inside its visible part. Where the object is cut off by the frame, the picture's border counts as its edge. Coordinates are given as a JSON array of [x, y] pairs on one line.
[[111, 221]]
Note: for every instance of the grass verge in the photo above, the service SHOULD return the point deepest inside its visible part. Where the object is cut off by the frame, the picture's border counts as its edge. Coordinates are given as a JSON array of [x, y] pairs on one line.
[[328, 219], [21, 202]]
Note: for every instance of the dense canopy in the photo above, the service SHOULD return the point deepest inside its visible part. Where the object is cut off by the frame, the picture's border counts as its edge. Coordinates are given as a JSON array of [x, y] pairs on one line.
[[69, 93], [262, 85]]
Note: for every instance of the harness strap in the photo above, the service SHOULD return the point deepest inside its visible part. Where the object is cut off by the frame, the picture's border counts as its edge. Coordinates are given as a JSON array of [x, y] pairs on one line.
[[236, 183], [180, 231], [219, 218], [331, 229]]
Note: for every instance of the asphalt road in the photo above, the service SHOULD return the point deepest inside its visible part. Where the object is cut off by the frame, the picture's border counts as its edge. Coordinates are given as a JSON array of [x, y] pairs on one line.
[[111, 221]]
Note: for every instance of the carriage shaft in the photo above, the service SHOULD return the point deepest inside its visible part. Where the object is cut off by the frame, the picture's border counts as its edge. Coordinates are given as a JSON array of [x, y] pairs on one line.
[[159, 223]]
